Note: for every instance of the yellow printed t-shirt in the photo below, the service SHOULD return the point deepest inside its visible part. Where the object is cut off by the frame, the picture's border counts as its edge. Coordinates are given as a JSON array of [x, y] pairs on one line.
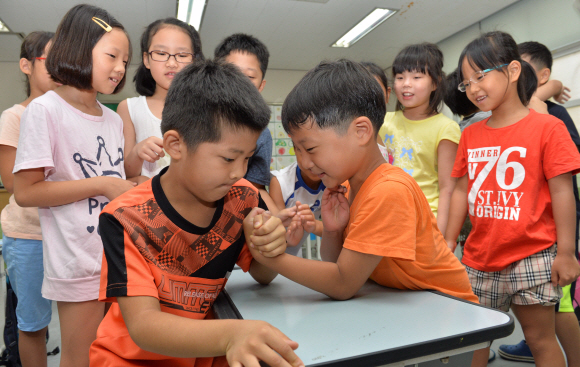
[[413, 145], [390, 217]]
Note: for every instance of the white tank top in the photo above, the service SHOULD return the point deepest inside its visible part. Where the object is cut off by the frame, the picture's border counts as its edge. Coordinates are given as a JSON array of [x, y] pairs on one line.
[[146, 125], [294, 189]]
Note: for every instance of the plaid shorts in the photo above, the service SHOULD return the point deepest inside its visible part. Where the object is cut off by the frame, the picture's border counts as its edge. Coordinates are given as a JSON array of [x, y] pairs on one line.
[[525, 282]]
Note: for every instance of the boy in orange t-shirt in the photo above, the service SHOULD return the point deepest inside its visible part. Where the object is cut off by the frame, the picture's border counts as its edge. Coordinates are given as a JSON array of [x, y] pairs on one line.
[[382, 228]]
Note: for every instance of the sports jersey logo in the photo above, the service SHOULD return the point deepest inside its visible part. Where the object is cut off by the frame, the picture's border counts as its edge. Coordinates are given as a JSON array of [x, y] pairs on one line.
[[498, 204], [188, 296]]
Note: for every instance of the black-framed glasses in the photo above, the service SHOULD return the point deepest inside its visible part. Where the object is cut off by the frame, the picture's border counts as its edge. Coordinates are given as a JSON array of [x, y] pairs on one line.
[[181, 57], [477, 77]]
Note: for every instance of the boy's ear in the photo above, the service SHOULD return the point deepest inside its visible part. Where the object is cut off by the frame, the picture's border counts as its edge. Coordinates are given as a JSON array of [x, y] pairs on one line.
[[25, 66], [146, 60], [262, 85], [363, 129], [174, 145], [544, 76]]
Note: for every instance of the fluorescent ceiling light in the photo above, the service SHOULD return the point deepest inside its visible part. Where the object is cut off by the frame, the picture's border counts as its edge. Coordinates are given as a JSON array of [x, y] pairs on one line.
[[191, 12], [370, 22], [3, 27]]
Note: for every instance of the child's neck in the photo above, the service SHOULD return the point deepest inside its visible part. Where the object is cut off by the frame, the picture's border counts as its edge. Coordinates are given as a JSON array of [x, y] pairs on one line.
[[82, 100], [34, 93], [368, 165], [157, 101], [194, 210], [508, 113], [418, 113]]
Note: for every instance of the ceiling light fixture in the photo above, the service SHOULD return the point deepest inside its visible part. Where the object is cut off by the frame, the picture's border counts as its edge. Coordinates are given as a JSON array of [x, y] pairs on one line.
[[370, 22], [191, 12], [3, 27]]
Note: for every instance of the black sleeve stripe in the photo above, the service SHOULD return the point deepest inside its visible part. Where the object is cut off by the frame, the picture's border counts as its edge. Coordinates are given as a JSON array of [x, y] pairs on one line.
[[112, 234], [261, 203]]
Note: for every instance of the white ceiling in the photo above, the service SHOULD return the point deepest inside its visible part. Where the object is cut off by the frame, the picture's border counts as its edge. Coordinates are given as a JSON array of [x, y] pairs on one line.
[[298, 33]]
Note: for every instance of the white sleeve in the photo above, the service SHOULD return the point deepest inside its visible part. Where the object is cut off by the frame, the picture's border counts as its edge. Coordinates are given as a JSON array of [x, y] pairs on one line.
[[35, 143]]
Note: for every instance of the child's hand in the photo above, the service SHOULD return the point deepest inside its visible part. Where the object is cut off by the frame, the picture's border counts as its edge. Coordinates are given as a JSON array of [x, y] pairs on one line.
[[307, 217], [563, 96], [335, 210], [265, 233], [150, 149], [565, 269], [114, 186], [255, 341], [295, 232], [286, 215]]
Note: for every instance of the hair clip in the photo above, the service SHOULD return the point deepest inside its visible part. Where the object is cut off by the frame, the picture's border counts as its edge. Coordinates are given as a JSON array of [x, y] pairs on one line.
[[103, 24]]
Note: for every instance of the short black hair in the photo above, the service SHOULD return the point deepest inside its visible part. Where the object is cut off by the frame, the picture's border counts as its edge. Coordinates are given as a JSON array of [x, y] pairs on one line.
[[244, 43], [206, 97], [538, 53], [497, 48], [70, 60], [144, 82], [424, 58], [376, 70], [32, 47], [333, 94], [456, 100]]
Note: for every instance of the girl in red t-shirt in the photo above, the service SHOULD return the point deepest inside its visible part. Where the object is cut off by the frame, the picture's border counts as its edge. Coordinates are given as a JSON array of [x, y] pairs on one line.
[[515, 169]]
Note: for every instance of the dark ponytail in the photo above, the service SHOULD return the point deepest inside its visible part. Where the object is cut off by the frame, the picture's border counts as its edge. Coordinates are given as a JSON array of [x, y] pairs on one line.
[[32, 47], [497, 48]]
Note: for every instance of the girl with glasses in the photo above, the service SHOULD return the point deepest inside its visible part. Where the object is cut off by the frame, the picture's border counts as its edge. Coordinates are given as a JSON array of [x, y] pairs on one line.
[[167, 46], [515, 170]]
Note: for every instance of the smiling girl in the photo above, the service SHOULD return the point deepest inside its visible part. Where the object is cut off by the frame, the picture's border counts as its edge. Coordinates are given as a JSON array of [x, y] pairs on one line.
[[69, 163], [167, 46], [422, 141]]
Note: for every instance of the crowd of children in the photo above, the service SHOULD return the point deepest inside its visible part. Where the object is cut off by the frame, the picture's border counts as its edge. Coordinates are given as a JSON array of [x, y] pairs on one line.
[[111, 210]]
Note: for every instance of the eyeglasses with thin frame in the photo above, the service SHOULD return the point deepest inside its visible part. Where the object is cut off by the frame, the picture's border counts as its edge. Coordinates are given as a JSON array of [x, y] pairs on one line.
[[40, 58], [477, 77], [181, 57]]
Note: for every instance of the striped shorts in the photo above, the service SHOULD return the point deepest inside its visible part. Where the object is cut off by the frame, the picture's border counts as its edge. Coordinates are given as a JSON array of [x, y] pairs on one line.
[[524, 282]]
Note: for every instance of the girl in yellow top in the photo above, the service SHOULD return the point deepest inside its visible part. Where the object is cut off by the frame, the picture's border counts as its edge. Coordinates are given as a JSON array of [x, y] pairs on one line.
[[420, 139]]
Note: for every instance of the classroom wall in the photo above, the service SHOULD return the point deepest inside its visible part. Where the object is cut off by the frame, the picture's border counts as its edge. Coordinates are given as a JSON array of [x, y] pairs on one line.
[[555, 23]]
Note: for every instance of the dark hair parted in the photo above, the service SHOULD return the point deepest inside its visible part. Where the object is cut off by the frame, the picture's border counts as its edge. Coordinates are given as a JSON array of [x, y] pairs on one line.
[[456, 100], [377, 72], [144, 82], [208, 96], [538, 53], [32, 47], [70, 60], [244, 43], [425, 58], [333, 94], [497, 48]]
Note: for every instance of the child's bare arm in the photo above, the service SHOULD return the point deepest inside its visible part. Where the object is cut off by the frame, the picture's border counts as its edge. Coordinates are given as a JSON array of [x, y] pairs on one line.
[[243, 342], [553, 88], [457, 213], [565, 269], [446, 152], [7, 159], [340, 280], [33, 190]]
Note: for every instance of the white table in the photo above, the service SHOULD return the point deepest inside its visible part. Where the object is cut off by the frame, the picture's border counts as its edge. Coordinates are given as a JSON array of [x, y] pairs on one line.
[[379, 326]]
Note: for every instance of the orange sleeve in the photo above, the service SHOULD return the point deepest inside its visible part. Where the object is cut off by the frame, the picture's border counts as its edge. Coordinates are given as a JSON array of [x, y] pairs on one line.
[[384, 223]]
